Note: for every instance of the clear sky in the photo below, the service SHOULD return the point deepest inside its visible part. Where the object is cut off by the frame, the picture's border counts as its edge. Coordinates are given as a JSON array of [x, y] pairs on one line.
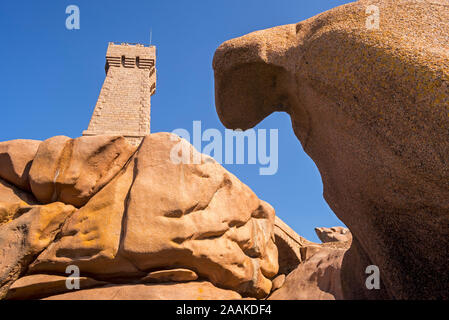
[[51, 78]]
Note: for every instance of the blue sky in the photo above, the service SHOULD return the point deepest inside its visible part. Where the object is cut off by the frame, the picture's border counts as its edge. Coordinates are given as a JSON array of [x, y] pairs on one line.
[[51, 78]]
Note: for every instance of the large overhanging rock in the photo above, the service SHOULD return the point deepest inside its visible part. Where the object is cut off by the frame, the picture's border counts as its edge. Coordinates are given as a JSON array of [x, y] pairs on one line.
[[370, 106], [160, 214]]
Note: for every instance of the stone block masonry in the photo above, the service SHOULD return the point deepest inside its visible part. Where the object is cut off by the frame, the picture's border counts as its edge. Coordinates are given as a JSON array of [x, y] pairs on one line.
[[123, 107]]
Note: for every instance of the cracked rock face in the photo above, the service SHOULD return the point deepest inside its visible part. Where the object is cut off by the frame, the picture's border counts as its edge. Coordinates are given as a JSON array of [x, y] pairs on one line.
[[154, 220], [370, 107]]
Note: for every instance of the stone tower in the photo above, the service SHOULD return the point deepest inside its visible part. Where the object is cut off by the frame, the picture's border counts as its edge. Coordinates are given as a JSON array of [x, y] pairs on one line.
[[123, 107]]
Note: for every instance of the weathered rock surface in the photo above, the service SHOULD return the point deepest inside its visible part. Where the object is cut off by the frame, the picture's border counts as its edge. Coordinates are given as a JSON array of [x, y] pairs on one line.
[[22, 239], [370, 106], [10, 193], [334, 234], [155, 221], [315, 279], [278, 282], [200, 217], [174, 291], [90, 239], [172, 275], [16, 157], [12, 210], [309, 250], [73, 170], [43, 285], [289, 245], [157, 214]]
